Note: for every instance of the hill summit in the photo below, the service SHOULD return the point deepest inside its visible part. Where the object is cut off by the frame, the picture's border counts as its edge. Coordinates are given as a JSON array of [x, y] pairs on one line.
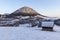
[[25, 11]]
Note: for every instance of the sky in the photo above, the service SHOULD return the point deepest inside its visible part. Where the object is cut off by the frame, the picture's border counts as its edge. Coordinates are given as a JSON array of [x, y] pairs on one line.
[[49, 8]]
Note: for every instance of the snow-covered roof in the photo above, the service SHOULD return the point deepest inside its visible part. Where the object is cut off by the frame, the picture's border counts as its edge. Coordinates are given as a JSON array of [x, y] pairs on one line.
[[47, 24]]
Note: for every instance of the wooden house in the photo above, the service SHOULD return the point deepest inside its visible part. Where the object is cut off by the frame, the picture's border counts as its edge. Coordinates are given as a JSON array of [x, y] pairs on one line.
[[47, 25]]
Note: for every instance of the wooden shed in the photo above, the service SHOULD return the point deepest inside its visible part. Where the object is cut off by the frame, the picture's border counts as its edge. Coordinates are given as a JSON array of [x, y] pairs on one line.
[[47, 25]]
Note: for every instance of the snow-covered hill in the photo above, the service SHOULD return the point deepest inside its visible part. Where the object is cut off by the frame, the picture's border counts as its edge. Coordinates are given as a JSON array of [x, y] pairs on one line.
[[24, 32]]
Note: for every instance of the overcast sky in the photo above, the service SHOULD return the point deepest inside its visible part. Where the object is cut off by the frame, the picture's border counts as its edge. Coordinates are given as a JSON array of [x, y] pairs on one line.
[[44, 7]]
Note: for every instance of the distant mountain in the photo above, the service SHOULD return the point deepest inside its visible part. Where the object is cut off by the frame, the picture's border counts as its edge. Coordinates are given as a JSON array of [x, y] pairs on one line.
[[26, 11]]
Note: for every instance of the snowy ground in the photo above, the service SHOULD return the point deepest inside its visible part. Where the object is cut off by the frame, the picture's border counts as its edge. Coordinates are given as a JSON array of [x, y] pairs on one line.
[[28, 33]]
